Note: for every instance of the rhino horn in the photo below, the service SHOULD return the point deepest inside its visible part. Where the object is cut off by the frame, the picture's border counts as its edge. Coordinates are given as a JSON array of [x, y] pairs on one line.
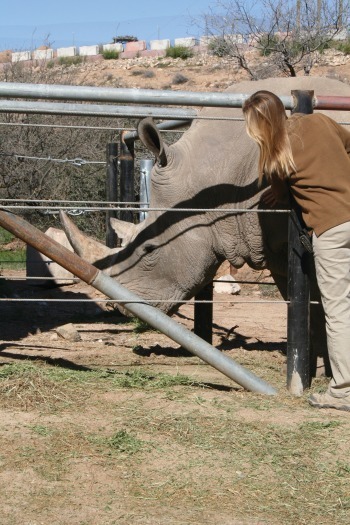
[[89, 249], [150, 137], [124, 230]]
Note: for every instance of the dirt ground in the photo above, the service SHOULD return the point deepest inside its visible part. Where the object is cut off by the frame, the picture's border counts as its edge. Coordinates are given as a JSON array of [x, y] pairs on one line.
[[61, 417], [29, 327]]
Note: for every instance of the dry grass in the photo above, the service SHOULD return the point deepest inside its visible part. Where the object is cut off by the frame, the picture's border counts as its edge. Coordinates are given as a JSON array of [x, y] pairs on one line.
[[160, 448]]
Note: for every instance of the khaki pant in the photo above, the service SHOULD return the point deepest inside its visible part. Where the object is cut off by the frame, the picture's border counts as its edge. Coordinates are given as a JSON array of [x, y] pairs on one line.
[[332, 261]]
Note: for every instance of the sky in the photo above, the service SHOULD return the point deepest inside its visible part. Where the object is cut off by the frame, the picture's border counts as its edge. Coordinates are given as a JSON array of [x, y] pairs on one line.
[[27, 24]]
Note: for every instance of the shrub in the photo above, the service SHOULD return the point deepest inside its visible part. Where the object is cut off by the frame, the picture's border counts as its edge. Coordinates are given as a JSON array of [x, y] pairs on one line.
[[148, 74], [343, 46], [179, 79], [179, 52], [110, 54], [219, 46], [70, 61]]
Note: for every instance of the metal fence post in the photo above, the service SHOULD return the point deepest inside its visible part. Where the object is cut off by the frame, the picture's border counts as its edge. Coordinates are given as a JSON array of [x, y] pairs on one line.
[[298, 329], [127, 192], [111, 191], [146, 166], [203, 313]]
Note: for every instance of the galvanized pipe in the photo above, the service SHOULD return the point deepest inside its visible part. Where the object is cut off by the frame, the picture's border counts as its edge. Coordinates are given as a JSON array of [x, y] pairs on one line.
[[146, 166], [127, 95], [105, 284], [93, 110], [149, 96]]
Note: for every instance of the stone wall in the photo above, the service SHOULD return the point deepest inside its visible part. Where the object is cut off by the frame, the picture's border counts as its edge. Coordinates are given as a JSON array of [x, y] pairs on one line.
[[127, 50]]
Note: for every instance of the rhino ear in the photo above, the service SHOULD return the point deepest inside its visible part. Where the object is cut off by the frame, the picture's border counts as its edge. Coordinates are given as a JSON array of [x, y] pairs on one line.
[[124, 230], [150, 137], [89, 249]]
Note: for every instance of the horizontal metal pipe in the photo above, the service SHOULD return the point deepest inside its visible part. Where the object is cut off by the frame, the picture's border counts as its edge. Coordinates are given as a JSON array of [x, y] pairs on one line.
[[127, 95], [331, 102], [94, 110], [105, 284]]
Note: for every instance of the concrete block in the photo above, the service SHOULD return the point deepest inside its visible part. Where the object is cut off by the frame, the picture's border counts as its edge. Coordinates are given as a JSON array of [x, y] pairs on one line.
[[67, 51], [21, 55], [342, 35], [43, 54], [89, 50], [113, 47], [38, 265], [185, 42], [140, 54], [206, 40], [140, 45], [159, 44]]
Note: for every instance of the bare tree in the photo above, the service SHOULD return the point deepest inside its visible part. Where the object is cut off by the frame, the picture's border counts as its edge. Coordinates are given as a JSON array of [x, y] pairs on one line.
[[288, 34], [40, 160]]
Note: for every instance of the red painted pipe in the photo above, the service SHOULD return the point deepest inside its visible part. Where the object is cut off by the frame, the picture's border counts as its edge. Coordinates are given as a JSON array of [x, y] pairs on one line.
[[331, 102]]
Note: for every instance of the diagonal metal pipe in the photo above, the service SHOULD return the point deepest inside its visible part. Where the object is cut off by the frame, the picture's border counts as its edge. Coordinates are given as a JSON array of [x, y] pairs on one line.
[[105, 284]]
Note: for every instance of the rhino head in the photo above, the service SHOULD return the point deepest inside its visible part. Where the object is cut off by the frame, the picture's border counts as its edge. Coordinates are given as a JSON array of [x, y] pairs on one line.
[[170, 255]]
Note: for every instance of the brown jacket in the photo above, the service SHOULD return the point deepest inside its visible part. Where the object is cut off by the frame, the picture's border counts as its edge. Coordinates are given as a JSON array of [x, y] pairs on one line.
[[321, 184]]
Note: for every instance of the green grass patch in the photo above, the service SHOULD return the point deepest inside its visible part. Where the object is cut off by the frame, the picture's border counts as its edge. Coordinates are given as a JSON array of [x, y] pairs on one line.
[[122, 442], [5, 236], [13, 259], [140, 326]]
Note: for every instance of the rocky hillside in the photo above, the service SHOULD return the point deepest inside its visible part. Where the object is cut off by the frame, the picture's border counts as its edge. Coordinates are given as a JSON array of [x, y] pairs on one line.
[[202, 72]]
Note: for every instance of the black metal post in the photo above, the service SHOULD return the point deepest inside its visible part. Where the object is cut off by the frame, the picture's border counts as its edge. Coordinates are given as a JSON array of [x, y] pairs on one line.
[[298, 330], [127, 192], [203, 314], [111, 191]]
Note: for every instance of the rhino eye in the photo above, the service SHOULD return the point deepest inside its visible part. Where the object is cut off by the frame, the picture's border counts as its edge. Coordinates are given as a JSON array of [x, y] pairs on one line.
[[149, 247]]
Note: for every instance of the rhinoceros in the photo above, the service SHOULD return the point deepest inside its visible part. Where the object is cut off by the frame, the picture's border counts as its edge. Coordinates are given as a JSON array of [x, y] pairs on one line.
[[171, 255]]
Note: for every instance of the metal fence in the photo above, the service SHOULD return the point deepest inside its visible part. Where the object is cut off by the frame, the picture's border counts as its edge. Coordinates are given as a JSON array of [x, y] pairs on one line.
[[120, 197]]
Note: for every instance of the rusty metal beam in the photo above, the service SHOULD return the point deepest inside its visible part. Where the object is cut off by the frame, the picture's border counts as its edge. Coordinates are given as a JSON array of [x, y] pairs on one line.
[[329, 102], [44, 244]]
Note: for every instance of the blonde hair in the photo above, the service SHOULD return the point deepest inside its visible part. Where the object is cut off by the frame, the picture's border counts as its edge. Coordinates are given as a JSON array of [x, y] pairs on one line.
[[266, 119]]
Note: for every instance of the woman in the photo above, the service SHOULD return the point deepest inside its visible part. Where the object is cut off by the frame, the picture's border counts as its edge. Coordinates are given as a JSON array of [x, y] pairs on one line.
[[309, 156]]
